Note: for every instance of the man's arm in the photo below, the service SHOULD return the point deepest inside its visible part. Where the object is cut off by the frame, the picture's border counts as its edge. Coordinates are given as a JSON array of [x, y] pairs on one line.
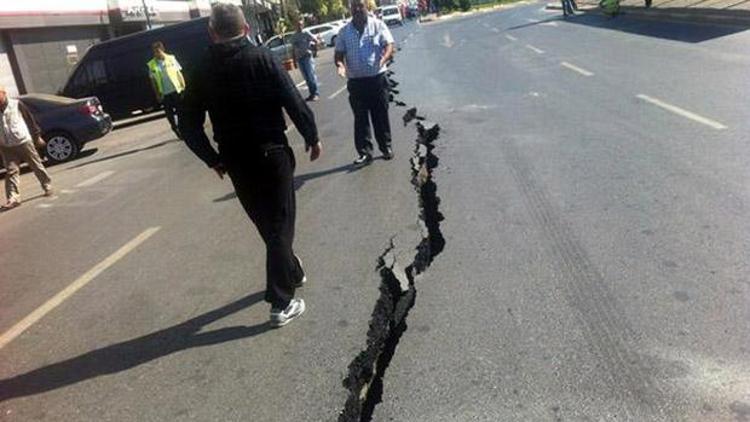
[[31, 124], [339, 55], [388, 41], [192, 116], [295, 106]]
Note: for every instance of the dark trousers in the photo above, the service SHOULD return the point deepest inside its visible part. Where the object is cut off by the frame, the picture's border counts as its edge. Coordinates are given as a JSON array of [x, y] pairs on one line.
[[265, 187], [369, 99], [171, 103]]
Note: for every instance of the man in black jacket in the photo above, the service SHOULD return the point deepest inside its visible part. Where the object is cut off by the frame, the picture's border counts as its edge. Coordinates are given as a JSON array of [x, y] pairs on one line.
[[243, 89]]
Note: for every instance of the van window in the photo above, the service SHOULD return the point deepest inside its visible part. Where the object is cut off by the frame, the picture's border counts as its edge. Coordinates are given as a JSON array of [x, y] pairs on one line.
[[88, 76]]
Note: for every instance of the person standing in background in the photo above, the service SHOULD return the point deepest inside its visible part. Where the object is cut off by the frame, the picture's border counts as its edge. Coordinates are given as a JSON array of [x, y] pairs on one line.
[[167, 82], [19, 135]]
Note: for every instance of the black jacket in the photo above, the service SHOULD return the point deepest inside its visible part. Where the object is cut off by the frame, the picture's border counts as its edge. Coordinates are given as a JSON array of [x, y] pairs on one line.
[[244, 89]]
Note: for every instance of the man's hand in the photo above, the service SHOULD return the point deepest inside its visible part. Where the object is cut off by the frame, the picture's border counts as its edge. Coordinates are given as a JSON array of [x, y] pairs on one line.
[[314, 150], [341, 70], [220, 170]]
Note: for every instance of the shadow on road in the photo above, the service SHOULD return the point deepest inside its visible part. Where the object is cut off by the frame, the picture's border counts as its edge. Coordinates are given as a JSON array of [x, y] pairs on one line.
[[126, 153], [300, 180], [129, 354], [688, 32], [138, 120]]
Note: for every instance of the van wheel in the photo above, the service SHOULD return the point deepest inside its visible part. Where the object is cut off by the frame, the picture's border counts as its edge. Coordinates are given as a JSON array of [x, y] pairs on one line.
[[60, 147]]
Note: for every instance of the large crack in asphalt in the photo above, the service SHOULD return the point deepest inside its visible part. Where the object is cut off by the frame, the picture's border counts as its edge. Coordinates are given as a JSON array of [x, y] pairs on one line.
[[398, 290]]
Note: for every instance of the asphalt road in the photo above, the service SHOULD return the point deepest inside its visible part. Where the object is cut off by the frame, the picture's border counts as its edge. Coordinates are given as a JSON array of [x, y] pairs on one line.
[[592, 178]]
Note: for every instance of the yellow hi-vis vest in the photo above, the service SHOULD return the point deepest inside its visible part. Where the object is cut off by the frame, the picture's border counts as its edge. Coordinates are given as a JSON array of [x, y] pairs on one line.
[[173, 69]]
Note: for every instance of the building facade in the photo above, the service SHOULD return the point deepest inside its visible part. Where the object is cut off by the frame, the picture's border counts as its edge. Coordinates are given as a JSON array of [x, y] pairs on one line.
[[42, 40]]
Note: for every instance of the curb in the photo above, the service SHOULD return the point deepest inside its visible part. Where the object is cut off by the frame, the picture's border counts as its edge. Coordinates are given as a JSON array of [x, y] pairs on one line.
[[719, 17]]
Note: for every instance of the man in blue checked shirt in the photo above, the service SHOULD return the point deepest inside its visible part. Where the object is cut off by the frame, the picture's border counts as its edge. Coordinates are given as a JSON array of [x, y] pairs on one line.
[[363, 47]]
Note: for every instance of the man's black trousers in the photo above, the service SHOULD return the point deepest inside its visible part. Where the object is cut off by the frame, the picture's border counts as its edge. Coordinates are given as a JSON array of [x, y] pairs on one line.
[[369, 99], [264, 183], [171, 104]]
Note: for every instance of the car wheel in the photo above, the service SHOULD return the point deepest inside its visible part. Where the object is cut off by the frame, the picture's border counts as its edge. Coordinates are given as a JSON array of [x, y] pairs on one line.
[[333, 41], [60, 147]]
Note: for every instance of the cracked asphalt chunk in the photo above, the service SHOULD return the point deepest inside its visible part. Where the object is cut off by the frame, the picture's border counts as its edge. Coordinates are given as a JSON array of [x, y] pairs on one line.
[[397, 287]]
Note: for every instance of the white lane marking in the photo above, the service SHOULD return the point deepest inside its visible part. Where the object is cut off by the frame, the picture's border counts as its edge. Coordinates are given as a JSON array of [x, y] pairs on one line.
[[682, 112], [495, 30], [575, 68], [533, 20], [447, 41], [511, 37], [335, 94], [534, 49], [67, 191], [51, 304], [299, 85], [45, 205], [548, 23], [96, 179]]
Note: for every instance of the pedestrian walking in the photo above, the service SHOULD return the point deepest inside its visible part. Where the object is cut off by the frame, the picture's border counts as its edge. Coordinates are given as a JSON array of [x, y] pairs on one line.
[[167, 82], [244, 89], [303, 44], [363, 47], [568, 7], [19, 137]]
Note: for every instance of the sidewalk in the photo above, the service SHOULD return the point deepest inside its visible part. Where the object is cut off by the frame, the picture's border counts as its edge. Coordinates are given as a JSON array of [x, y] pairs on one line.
[[731, 12]]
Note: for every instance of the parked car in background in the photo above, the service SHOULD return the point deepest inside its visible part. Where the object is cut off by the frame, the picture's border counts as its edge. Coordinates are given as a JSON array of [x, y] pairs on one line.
[[281, 46], [326, 33], [391, 15], [67, 124], [115, 71]]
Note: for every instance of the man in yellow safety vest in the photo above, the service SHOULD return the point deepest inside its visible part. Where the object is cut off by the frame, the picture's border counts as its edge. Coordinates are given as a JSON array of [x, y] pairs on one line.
[[167, 81]]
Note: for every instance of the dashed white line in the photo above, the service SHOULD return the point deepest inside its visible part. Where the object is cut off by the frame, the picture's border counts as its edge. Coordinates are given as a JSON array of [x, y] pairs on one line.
[[83, 280], [575, 68], [511, 37], [340, 90], [682, 112], [301, 84], [534, 49], [96, 179], [548, 23]]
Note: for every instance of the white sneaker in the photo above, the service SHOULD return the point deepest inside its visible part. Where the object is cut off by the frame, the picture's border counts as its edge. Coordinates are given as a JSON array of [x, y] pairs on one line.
[[282, 317]]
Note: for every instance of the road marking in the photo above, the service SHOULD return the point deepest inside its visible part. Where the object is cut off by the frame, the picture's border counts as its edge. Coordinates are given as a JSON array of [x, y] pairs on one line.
[[299, 85], [682, 112], [96, 179], [534, 49], [45, 205], [548, 23], [447, 42], [340, 90], [533, 20], [67, 191], [495, 30], [51, 304], [511, 37], [575, 68]]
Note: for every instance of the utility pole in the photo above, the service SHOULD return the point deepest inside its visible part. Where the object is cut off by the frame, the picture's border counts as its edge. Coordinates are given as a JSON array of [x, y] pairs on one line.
[[148, 17]]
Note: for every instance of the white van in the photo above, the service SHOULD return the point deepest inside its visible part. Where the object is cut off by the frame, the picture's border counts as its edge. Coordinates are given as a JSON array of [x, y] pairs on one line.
[[391, 15]]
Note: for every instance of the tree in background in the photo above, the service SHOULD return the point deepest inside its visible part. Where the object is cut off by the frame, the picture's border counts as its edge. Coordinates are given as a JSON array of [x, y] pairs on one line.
[[324, 10]]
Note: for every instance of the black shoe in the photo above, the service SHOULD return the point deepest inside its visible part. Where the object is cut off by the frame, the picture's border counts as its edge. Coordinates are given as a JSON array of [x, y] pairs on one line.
[[388, 154], [363, 160]]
